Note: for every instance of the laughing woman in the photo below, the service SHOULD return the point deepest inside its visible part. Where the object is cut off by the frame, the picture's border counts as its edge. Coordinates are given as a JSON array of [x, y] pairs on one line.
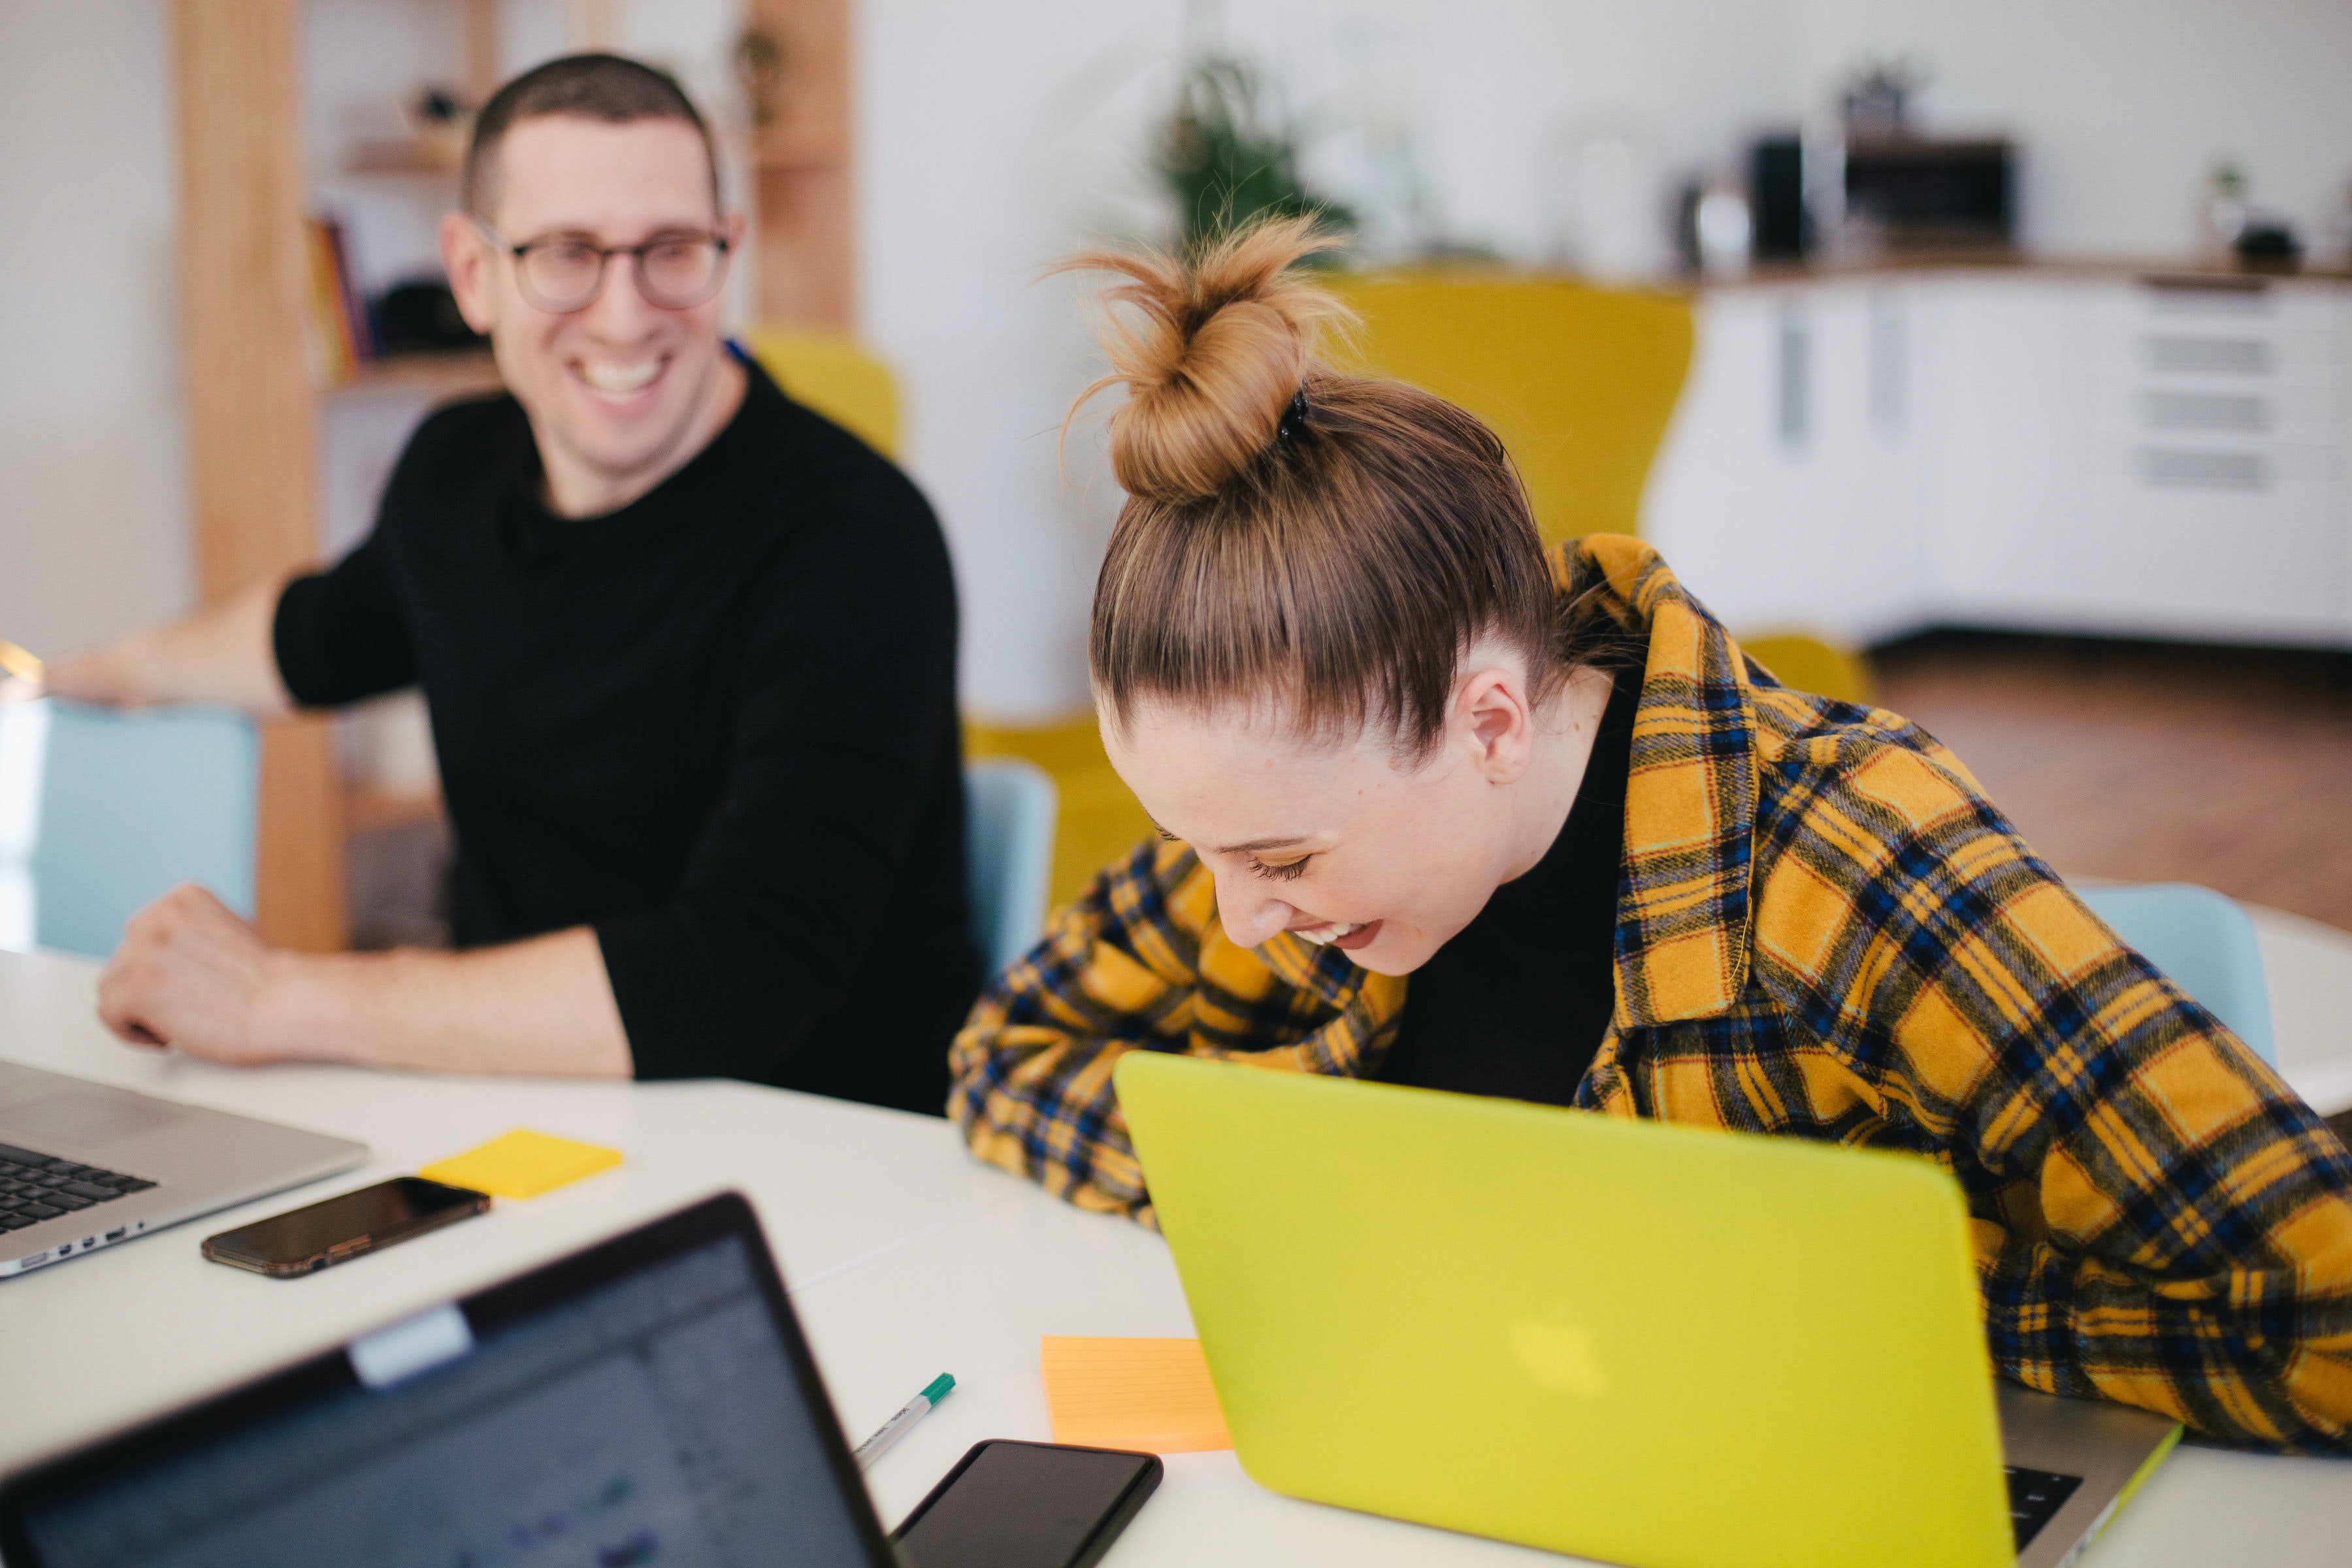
[[1438, 811]]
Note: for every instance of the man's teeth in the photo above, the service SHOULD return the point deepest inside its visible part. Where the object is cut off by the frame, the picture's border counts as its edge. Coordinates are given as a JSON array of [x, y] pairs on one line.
[[606, 377], [1318, 935]]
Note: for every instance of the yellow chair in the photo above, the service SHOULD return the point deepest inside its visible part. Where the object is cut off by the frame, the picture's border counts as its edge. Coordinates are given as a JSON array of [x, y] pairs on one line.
[[830, 373], [1806, 662], [1579, 381]]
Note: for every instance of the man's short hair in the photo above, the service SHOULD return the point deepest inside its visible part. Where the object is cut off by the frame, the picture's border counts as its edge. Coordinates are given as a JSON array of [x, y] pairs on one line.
[[593, 86]]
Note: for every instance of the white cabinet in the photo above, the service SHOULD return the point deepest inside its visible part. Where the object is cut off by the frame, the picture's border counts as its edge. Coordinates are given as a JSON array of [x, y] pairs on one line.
[[1787, 492], [1867, 456], [2211, 500], [1999, 487]]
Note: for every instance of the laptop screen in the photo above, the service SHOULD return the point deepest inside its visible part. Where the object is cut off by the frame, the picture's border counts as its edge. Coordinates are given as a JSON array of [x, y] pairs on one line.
[[657, 1418]]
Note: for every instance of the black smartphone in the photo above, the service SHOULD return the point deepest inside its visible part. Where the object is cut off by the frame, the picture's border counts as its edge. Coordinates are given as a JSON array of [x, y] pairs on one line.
[[1027, 1505], [302, 1240]]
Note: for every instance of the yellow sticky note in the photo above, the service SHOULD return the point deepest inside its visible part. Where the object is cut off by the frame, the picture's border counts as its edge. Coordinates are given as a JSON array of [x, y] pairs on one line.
[[1152, 1395], [521, 1164]]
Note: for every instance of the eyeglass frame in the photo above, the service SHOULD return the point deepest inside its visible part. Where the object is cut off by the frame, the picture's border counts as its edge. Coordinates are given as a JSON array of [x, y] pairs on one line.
[[604, 253]]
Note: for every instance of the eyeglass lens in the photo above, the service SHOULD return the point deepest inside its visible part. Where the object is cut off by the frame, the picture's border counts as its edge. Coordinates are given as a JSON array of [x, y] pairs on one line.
[[674, 274]]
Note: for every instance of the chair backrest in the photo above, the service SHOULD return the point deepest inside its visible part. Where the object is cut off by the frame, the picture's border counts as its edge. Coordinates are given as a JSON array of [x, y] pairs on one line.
[[101, 813], [832, 373], [1010, 851], [1814, 664], [2204, 943], [1579, 381]]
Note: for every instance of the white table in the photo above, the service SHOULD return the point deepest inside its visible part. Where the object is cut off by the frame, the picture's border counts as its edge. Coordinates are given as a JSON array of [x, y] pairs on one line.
[[906, 1259]]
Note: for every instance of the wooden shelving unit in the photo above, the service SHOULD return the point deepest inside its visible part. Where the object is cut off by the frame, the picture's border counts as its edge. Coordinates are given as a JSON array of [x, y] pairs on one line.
[[252, 411], [457, 373], [802, 170], [253, 407], [430, 160]]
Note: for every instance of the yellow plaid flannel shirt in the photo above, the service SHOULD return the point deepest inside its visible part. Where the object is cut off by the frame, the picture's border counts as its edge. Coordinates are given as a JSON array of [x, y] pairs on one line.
[[1824, 931]]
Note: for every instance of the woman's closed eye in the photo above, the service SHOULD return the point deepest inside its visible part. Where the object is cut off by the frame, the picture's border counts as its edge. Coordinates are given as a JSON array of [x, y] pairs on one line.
[[1288, 870]]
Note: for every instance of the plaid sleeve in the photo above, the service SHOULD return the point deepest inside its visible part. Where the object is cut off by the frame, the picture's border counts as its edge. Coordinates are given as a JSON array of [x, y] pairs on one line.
[[1031, 1068], [2160, 1220]]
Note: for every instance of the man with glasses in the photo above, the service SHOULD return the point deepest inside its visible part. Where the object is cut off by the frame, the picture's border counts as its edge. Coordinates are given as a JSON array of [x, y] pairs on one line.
[[690, 652]]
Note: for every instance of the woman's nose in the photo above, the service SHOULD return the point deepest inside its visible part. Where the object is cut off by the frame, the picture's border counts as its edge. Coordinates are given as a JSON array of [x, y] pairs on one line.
[[1250, 915]]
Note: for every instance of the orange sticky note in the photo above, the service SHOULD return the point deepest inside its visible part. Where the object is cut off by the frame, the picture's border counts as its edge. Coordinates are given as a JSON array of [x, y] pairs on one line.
[[523, 1165], [1152, 1395]]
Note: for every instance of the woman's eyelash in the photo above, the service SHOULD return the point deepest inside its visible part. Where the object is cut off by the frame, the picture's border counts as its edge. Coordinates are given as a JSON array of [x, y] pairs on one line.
[[1284, 872]]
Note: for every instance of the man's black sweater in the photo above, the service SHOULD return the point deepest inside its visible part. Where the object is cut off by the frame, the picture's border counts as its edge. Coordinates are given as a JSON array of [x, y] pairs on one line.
[[717, 725]]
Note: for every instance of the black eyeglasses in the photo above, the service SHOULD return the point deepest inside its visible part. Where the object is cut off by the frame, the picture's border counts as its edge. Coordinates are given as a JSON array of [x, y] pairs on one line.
[[676, 271]]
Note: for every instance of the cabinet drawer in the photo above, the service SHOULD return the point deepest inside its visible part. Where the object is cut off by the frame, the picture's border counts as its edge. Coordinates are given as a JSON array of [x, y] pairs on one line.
[[2163, 410], [2166, 461], [2216, 357], [2222, 304]]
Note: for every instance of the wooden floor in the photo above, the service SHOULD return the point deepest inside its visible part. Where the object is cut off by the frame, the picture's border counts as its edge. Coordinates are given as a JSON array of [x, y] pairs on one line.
[[2152, 762]]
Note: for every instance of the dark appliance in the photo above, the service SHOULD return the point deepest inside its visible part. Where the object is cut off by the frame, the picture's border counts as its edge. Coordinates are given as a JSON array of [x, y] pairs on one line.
[[1925, 194], [1776, 197]]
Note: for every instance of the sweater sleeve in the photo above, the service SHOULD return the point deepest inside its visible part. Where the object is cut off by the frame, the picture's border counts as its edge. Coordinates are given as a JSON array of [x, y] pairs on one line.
[[845, 717], [2159, 1218], [340, 635]]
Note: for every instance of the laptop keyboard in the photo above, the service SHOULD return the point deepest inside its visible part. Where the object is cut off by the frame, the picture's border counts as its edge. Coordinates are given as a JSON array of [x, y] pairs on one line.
[[35, 1187], [2034, 1498]]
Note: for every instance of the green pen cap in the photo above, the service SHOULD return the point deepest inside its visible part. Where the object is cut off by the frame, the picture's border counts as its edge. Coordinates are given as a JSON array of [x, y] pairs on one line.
[[937, 1389]]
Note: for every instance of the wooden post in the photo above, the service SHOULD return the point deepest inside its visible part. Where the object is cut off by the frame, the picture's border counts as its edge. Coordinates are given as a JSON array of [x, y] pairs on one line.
[[477, 50], [802, 180], [252, 410]]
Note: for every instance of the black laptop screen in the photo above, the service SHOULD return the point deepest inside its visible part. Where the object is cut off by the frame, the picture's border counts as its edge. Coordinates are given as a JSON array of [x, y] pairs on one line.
[[656, 1420]]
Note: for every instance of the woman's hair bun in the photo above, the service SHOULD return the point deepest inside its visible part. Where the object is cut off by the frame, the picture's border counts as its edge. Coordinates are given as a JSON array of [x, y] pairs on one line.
[[1212, 348]]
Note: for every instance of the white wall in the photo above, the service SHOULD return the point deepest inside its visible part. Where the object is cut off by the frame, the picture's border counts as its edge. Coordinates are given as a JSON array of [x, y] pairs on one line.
[[93, 522]]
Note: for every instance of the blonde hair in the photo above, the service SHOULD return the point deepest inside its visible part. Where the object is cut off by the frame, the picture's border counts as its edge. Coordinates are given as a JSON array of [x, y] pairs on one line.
[[1334, 542]]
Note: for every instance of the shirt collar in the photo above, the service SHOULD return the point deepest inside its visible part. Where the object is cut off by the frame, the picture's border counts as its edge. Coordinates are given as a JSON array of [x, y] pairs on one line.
[[1684, 908]]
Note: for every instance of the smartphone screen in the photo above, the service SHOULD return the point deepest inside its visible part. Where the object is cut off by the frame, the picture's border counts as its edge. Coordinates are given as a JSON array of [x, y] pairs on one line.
[[344, 1226], [1027, 1505]]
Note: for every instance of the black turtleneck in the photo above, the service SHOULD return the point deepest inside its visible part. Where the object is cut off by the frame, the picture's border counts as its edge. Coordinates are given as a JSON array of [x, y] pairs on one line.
[[1516, 1003]]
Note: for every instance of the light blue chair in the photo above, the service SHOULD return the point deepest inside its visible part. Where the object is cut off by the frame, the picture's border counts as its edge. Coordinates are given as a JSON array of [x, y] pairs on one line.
[[101, 813], [2204, 943], [1009, 847]]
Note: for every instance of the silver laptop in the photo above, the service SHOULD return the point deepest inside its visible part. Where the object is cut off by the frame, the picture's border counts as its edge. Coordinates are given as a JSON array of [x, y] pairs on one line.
[[84, 1166]]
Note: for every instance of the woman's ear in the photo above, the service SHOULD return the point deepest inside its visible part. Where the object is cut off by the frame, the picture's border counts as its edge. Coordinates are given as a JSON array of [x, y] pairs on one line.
[[1491, 717]]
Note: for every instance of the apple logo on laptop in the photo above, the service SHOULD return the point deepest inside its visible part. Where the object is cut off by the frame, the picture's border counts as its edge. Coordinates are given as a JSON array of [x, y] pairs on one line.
[[1557, 1353]]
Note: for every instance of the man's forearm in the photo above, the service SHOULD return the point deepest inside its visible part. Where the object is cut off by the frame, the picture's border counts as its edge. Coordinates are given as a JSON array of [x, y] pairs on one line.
[[222, 654], [542, 1007]]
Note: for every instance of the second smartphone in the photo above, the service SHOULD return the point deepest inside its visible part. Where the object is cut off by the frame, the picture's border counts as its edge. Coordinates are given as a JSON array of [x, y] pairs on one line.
[[1027, 1505], [303, 1240]]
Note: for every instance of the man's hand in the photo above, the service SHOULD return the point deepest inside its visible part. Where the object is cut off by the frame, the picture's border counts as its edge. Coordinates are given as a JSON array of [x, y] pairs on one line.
[[222, 654], [104, 676], [191, 973]]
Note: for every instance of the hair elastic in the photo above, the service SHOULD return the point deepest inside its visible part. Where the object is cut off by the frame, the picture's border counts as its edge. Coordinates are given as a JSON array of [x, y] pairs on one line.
[[1294, 418]]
